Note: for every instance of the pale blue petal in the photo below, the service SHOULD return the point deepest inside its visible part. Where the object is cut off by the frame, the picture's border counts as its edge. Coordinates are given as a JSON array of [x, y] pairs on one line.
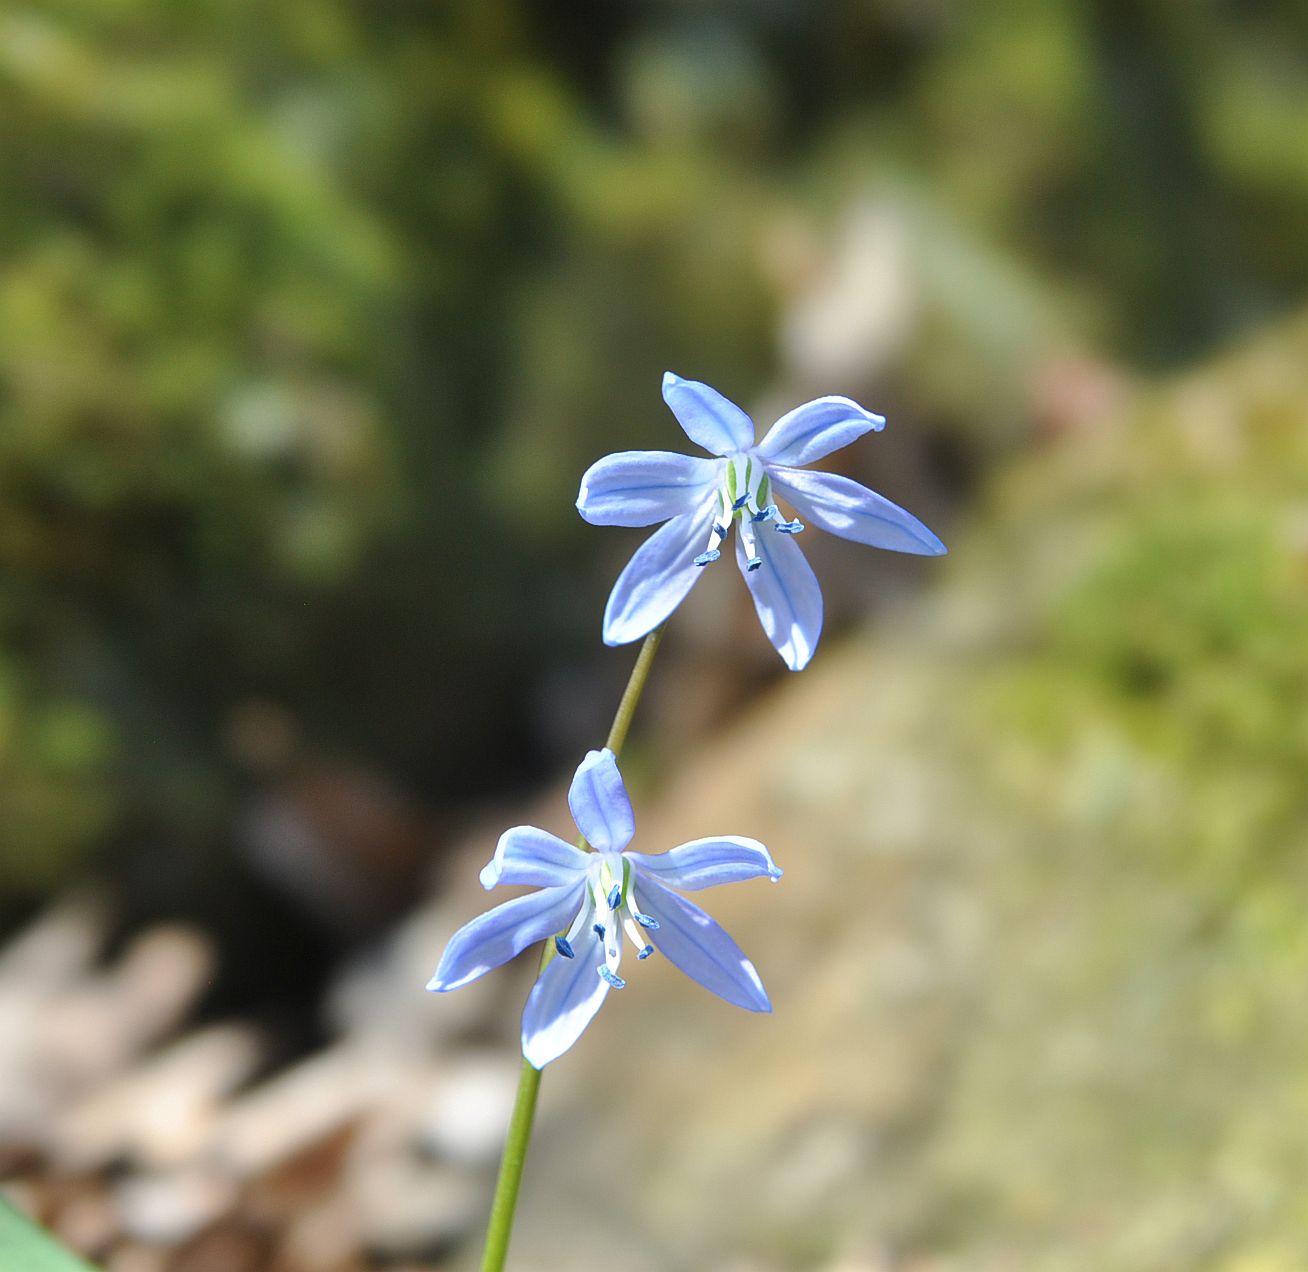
[[599, 803], [843, 507], [709, 419], [704, 863], [786, 595], [658, 577], [532, 857], [500, 934], [562, 1003], [638, 488], [816, 429], [687, 937]]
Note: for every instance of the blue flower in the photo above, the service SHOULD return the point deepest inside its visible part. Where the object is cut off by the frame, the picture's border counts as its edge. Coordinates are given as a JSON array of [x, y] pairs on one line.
[[587, 900], [700, 499]]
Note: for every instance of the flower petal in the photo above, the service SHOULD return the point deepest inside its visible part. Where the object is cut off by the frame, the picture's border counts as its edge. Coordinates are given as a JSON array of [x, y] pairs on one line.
[[786, 595], [704, 863], [638, 488], [697, 945], [599, 803], [843, 507], [708, 419], [562, 1003], [526, 855], [658, 577], [499, 934], [816, 429]]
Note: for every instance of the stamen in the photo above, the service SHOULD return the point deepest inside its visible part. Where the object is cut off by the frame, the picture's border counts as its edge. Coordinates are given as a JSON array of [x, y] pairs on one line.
[[646, 952], [564, 947], [646, 920], [740, 503], [616, 981], [615, 896], [634, 934], [578, 925], [707, 558], [770, 513], [747, 540], [720, 530], [598, 929], [789, 527], [753, 564]]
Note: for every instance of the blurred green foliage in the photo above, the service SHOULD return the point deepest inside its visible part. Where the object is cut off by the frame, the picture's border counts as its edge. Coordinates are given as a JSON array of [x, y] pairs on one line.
[[1146, 817], [23, 1245], [311, 316]]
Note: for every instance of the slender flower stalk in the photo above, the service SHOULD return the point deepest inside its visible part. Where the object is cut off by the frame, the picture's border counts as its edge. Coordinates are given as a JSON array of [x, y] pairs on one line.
[[500, 1226]]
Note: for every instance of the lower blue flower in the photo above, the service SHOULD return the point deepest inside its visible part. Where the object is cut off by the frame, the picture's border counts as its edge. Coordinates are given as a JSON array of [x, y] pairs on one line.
[[588, 902]]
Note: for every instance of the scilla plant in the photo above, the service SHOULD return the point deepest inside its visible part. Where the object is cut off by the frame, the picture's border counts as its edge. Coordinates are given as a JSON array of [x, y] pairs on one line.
[[590, 895]]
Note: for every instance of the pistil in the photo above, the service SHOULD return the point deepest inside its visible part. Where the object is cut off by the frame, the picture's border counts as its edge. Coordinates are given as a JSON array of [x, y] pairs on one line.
[[743, 498]]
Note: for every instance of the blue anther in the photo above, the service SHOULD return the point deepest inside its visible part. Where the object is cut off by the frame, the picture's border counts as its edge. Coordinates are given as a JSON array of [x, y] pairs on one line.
[[753, 564], [707, 558], [721, 530], [646, 952], [564, 947], [740, 503], [789, 527], [647, 921], [770, 513], [598, 929], [615, 896], [616, 981]]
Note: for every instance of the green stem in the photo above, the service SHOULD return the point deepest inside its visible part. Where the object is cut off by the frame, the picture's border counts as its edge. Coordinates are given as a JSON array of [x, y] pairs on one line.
[[500, 1226], [505, 1203], [631, 694]]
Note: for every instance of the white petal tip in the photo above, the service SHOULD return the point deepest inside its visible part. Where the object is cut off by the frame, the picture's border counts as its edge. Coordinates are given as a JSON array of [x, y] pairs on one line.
[[584, 510], [490, 875], [534, 1058], [878, 422], [670, 378], [434, 986], [613, 637]]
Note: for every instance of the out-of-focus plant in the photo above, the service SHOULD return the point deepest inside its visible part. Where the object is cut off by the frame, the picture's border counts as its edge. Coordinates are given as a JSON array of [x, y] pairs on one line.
[[304, 314], [23, 1245], [188, 449]]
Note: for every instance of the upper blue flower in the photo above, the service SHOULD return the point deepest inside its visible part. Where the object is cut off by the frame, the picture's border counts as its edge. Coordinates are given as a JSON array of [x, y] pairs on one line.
[[588, 899], [701, 498]]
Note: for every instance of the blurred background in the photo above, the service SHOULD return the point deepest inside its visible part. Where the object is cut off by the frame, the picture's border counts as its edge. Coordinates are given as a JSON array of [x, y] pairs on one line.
[[312, 315]]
